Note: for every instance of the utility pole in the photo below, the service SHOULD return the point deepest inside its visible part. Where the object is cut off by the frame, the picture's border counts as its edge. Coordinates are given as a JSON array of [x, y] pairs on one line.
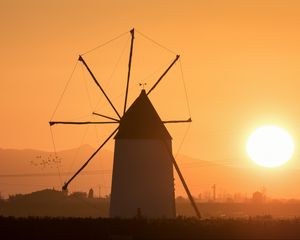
[[214, 192], [264, 193]]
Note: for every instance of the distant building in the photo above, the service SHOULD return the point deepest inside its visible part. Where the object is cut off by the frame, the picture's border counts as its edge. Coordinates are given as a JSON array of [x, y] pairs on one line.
[[257, 197], [78, 194], [91, 193]]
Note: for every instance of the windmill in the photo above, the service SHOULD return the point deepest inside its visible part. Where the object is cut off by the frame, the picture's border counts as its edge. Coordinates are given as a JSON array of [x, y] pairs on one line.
[[142, 179]]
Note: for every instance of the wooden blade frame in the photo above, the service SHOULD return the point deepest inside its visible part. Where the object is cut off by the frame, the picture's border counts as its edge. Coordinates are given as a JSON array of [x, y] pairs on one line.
[[101, 115], [178, 121], [183, 181], [79, 123], [98, 84], [162, 76], [129, 69], [65, 187]]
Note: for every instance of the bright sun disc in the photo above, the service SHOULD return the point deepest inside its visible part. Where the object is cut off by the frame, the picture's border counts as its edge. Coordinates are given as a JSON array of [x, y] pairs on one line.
[[270, 146]]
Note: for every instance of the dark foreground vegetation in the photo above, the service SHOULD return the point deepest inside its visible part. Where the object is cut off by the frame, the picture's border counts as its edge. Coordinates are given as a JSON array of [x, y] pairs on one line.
[[180, 228], [52, 203]]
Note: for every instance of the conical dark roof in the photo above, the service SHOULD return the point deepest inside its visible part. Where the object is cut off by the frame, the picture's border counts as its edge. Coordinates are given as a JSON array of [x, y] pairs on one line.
[[141, 121]]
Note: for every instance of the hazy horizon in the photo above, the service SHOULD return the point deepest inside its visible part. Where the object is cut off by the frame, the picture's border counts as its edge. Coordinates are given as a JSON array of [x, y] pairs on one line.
[[240, 64]]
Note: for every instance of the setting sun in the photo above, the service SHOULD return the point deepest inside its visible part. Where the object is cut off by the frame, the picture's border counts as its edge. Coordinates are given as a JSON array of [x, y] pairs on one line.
[[270, 146]]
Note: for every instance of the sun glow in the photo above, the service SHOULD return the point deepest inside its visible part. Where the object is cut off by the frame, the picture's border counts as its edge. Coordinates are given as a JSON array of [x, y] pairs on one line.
[[270, 146]]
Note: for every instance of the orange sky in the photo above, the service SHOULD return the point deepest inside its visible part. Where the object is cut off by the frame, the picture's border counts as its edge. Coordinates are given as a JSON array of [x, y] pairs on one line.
[[240, 61]]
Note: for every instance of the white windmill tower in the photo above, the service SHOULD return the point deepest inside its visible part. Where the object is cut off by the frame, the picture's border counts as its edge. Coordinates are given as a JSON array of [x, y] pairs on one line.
[[142, 179]]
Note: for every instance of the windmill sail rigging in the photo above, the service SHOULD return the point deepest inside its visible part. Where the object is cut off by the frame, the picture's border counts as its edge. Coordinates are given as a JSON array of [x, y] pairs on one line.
[[65, 187], [98, 84], [183, 181], [129, 69], [178, 121], [104, 116], [79, 123], [165, 72]]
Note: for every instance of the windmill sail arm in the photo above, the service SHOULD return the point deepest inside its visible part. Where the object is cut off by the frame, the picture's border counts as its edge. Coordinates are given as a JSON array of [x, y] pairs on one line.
[[98, 84], [129, 69], [164, 73], [183, 181], [178, 121], [101, 115], [65, 186], [79, 123]]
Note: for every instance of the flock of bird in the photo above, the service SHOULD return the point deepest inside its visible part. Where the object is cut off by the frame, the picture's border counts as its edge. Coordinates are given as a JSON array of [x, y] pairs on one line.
[[48, 161]]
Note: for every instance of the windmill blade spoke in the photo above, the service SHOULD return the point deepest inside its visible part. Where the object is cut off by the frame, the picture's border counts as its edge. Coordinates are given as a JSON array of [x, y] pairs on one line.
[[98, 84], [162, 76], [129, 69], [178, 121], [101, 115], [183, 181], [65, 187], [79, 123]]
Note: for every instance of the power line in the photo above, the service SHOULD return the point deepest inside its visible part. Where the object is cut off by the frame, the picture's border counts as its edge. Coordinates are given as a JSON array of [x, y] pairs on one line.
[[92, 172]]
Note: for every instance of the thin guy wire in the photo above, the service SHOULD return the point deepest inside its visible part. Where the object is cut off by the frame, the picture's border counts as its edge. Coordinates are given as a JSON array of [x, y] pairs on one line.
[[103, 44], [55, 153], [158, 44], [185, 90], [63, 92]]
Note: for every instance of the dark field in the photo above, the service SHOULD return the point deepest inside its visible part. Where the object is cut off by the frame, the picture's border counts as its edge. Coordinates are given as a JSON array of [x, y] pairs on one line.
[[60, 216], [180, 228]]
